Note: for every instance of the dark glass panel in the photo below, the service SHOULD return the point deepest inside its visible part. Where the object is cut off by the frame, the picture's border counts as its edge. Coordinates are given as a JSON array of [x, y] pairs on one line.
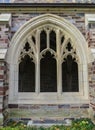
[[27, 75], [43, 40], [62, 39], [69, 47], [48, 76], [33, 39], [70, 75], [27, 47], [53, 40]]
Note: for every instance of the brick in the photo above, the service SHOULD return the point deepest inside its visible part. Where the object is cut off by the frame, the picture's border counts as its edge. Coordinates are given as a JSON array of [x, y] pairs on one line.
[[1, 76], [13, 105]]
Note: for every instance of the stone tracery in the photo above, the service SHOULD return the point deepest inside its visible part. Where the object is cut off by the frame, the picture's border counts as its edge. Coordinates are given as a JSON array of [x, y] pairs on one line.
[[48, 45]]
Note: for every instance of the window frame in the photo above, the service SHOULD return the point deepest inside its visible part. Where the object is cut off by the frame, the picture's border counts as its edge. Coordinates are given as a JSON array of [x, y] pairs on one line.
[[49, 98], [37, 95]]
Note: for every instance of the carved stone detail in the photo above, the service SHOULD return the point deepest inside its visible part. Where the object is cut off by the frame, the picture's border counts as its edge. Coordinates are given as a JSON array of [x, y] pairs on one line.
[[69, 50], [27, 50]]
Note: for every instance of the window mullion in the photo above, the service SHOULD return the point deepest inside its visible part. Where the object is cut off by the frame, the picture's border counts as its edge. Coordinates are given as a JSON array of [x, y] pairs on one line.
[[59, 69], [48, 44], [37, 89]]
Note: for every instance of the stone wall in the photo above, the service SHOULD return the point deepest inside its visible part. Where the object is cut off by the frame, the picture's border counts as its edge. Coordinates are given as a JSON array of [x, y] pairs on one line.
[[4, 43], [44, 112], [91, 38], [92, 89], [77, 19], [3, 90], [4, 35], [54, 1]]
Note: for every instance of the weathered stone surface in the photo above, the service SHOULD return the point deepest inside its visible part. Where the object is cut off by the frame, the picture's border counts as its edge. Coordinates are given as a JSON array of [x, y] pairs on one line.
[[53, 1], [48, 112]]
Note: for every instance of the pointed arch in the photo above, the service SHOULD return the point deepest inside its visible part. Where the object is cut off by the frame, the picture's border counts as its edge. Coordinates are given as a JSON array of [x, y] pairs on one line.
[[24, 34]]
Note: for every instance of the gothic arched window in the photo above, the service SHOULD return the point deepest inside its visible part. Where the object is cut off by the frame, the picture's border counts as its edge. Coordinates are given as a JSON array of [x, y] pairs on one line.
[[48, 63]]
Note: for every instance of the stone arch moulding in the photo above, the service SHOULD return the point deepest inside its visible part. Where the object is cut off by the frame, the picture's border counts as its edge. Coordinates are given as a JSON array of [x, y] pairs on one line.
[[19, 39]]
